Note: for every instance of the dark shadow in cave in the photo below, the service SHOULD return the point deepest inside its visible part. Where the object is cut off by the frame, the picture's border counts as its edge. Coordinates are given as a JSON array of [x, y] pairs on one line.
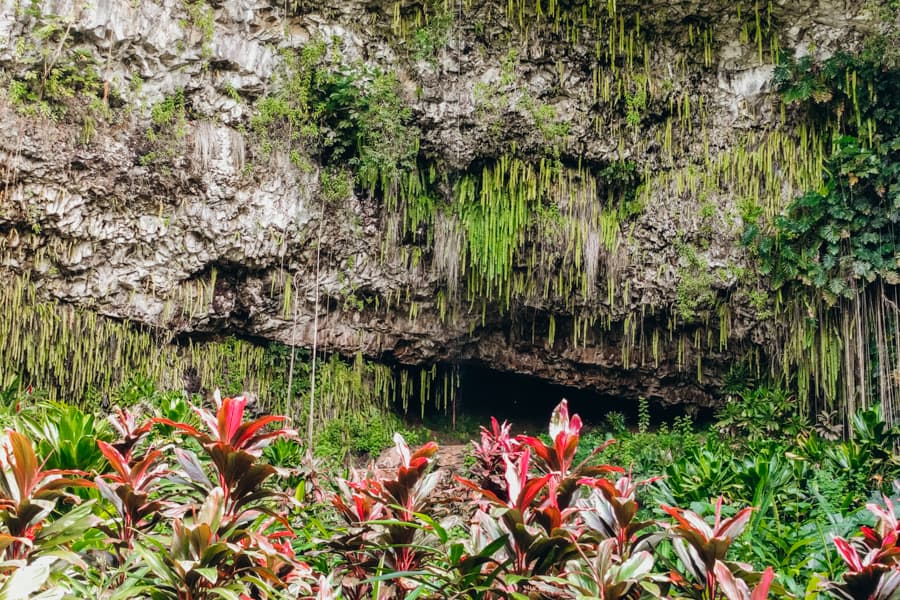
[[527, 402]]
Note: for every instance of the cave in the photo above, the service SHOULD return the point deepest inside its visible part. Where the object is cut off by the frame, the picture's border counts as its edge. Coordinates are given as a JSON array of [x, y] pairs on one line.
[[527, 402]]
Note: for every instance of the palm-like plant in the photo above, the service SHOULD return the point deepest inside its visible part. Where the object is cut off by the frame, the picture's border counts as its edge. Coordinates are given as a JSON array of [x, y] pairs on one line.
[[873, 560], [28, 494], [701, 546], [201, 560], [237, 536], [535, 514], [234, 447], [610, 511], [557, 458], [495, 443], [386, 516], [605, 575], [132, 490]]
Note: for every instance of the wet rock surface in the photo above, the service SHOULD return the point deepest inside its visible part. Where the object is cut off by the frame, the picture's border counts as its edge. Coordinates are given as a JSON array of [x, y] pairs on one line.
[[207, 239]]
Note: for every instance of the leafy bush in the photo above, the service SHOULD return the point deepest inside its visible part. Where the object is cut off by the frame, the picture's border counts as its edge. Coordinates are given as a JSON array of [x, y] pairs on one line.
[[353, 115], [209, 518], [760, 414], [359, 434], [840, 237]]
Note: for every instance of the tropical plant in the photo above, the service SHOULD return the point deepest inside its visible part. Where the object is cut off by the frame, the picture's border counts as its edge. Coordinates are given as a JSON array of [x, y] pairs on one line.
[[702, 547], [10, 402], [199, 539], [610, 511], [387, 516], [698, 474], [605, 575], [535, 515], [557, 458], [28, 495], [133, 491], [763, 413], [879, 440], [205, 558], [735, 588], [234, 447], [489, 468], [66, 437], [873, 560]]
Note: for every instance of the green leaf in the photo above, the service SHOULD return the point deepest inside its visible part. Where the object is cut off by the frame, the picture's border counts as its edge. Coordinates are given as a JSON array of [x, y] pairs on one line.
[[635, 567], [208, 573]]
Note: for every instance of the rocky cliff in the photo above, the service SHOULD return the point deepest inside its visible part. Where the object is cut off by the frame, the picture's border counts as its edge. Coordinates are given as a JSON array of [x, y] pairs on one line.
[[548, 187]]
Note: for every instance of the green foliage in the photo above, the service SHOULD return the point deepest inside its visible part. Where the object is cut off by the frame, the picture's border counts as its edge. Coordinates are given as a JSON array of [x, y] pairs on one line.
[[841, 237], [365, 433], [615, 422], [760, 414], [552, 128], [88, 359], [636, 102], [67, 437], [431, 38], [201, 18], [621, 178], [645, 452], [284, 453], [167, 130], [337, 185], [47, 94], [643, 415], [695, 292], [57, 76], [352, 115]]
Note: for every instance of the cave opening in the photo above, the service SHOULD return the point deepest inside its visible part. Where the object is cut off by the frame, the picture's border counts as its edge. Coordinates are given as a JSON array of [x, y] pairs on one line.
[[527, 402]]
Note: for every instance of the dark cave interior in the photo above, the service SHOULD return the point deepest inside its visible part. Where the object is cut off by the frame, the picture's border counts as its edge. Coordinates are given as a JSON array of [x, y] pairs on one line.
[[527, 402]]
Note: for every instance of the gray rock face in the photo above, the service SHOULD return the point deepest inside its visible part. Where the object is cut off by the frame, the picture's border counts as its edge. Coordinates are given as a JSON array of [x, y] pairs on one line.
[[213, 235]]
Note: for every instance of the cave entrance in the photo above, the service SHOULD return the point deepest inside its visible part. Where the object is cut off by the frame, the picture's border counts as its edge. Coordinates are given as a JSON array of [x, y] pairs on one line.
[[527, 402]]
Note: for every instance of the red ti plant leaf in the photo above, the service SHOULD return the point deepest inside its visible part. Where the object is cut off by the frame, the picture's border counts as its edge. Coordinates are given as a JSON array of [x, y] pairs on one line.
[[735, 588], [489, 468], [28, 493], [610, 511], [711, 542], [356, 503], [565, 433], [129, 489], [234, 446], [385, 518], [520, 488], [885, 536], [130, 433], [873, 559], [761, 591], [848, 553], [227, 426], [556, 458], [707, 543]]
